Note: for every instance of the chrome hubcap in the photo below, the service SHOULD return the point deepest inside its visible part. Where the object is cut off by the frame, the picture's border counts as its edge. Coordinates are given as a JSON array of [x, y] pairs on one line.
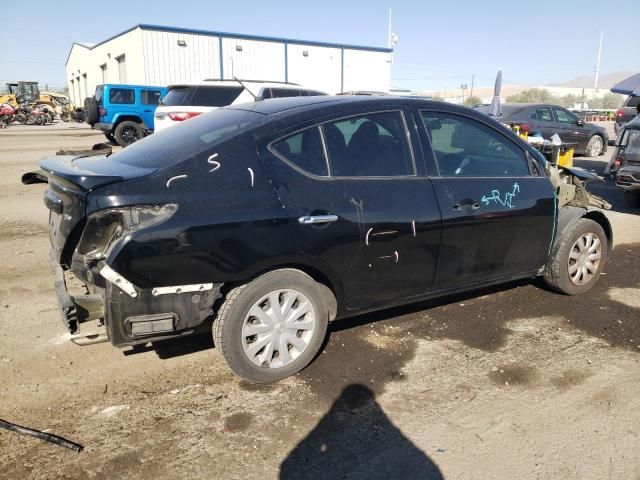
[[584, 258], [596, 147], [278, 328]]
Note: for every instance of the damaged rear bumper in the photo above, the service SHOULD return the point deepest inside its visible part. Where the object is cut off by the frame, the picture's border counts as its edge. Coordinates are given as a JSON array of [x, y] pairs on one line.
[[628, 177], [130, 315]]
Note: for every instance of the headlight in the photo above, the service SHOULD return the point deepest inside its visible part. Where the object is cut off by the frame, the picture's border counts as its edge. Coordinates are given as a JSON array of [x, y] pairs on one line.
[[105, 227]]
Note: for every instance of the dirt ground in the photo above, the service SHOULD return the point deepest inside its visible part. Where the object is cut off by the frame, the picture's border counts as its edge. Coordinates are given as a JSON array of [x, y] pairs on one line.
[[512, 382]]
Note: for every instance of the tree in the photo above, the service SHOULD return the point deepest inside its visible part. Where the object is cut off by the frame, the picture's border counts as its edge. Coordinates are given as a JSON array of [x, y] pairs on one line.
[[533, 95], [609, 101], [472, 101]]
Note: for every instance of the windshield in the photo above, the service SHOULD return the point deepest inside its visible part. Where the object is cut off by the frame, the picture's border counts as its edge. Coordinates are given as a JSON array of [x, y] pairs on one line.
[[192, 137]]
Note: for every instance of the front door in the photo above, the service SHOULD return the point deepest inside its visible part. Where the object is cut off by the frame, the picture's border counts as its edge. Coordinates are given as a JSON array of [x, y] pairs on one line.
[[571, 131], [498, 218], [361, 209]]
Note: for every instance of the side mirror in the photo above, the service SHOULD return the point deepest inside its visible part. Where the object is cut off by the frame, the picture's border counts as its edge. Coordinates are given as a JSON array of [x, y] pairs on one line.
[[580, 123]]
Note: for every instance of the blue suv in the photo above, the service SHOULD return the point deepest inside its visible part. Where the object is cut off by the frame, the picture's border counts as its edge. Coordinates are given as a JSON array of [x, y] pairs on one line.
[[123, 112]]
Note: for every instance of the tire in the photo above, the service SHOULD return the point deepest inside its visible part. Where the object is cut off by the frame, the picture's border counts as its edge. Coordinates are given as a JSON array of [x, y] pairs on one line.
[[91, 110], [595, 146], [20, 118], [65, 117], [110, 137], [557, 271], [232, 338], [128, 132]]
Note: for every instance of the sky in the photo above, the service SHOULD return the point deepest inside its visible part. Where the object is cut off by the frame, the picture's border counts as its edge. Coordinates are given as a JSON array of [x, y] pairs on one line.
[[441, 44]]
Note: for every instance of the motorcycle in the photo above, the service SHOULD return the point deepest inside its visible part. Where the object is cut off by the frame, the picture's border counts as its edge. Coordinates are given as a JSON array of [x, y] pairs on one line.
[[7, 115]]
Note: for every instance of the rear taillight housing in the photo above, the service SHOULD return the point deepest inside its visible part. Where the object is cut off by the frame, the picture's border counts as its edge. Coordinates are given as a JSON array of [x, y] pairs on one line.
[[617, 162], [102, 111], [620, 112], [182, 116]]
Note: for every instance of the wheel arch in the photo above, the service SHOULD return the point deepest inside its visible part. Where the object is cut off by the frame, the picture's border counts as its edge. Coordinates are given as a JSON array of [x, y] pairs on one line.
[[329, 285], [570, 214], [119, 118], [601, 219]]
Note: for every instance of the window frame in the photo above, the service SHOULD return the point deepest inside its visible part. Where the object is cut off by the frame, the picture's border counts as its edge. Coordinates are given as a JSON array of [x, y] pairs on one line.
[[566, 111], [330, 176], [127, 89], [526, 154]]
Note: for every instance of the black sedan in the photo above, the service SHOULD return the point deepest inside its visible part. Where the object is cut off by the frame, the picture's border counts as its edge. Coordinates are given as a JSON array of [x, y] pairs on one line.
[[537, 118], [265, 221]]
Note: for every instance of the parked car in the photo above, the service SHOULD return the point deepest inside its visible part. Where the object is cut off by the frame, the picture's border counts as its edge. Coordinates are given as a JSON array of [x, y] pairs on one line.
[[123, 112], [274, 218], [625, 162], [590, 139], [629, 110], [185, 101]]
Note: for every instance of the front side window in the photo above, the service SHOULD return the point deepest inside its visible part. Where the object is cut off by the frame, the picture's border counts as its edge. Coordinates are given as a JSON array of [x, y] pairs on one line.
[[371, 145], [150, 97], [543, 114], [564, 116], [304, 150], [121, 96], [464, 147]]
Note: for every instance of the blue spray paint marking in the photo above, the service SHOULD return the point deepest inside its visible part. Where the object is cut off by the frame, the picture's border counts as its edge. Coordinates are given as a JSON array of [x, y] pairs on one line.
[[497, 197]]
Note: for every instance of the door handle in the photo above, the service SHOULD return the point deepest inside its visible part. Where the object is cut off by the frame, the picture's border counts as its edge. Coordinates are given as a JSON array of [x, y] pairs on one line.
[[317, 219], [458, 206]]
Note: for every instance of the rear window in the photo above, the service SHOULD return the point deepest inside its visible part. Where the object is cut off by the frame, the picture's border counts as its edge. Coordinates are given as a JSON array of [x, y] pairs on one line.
[[121, 96], [177, 97], [217, 96], [181, 142], [632, 102]]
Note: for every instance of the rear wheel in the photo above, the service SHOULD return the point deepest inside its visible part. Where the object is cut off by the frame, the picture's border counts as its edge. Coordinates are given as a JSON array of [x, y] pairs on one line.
[[578, 258], [271, 327], [595, 146], [128, 132]]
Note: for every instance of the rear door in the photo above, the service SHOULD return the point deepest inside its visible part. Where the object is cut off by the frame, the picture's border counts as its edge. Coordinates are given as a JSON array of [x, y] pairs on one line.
[[543, 122], [149, 100], [362, 208], [498, 213]]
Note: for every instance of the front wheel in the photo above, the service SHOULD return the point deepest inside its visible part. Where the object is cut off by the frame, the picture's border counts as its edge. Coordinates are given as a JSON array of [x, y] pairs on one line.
[[595, 146], [578, 258], [271, 327]]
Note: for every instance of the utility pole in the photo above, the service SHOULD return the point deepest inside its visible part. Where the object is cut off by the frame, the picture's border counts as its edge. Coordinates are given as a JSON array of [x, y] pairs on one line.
[[463, 87], [389, 33], [595, 81], [473, 78]]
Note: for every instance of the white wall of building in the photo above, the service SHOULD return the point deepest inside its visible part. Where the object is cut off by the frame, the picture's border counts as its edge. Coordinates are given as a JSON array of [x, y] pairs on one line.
[[319, 69], [253, 59], [154, 56], [367, 70], [172, 57]]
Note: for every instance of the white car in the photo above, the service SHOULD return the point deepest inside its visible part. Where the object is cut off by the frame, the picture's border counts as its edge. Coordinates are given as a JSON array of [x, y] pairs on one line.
[[187, 100]]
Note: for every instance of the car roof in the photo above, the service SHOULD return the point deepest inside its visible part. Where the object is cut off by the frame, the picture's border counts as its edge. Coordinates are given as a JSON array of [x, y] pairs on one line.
[[235, 83], [126, 85], [278, 105]]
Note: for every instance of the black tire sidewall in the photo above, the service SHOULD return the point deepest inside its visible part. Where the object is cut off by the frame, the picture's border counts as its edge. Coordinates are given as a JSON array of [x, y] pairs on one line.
[[91, 110], [576, 230], [120, 128], [232, 328]]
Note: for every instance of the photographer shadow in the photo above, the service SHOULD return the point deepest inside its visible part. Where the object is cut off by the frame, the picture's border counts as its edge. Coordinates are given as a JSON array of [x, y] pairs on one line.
[[356, 440]]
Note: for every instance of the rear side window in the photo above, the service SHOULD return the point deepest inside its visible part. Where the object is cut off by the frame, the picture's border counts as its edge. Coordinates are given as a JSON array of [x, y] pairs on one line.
[[465, 147], [304, 150], [178, 97], [150, 97], [312, 93], [215, 96], [542, 114], [121, 96], [371, 145]]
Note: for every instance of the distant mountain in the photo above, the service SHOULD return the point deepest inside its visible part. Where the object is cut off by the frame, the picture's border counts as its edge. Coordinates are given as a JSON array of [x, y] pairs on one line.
[[605, 81]]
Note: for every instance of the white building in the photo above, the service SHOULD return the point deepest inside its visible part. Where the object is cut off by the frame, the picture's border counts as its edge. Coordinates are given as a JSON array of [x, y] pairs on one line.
[[157, 55]]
